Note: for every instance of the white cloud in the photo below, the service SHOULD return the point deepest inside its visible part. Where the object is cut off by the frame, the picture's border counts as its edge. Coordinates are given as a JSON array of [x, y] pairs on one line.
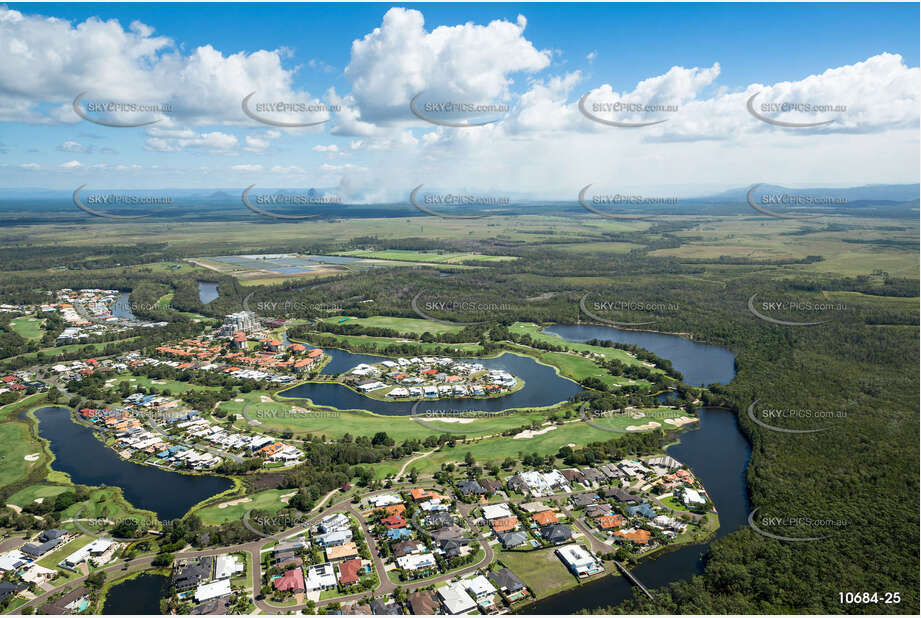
[[464, 63], [72, 146], [246, 168], [69, 165]]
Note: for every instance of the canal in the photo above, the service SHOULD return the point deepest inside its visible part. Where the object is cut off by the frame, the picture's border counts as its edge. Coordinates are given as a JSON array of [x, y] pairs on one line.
[[89, 462]]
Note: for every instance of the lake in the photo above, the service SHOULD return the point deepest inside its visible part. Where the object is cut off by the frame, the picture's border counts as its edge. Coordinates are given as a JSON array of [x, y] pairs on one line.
[[89, 462], [122, 307], [700, 363], [138, 596], [207, 291], [543, 387], [718, 454]]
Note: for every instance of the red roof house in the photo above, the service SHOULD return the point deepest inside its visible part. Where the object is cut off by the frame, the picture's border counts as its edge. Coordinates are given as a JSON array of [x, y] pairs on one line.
[[348, 571], [292, 580]]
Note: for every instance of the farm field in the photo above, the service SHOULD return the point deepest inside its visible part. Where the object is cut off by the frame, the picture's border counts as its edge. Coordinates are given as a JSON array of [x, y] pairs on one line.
[[436, 257]]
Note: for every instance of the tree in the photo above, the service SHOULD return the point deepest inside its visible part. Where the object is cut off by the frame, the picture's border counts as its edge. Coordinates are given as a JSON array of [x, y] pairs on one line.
[[96, 580]]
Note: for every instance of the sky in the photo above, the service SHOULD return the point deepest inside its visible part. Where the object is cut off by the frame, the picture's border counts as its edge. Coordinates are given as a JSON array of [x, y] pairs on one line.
[[679, 76]]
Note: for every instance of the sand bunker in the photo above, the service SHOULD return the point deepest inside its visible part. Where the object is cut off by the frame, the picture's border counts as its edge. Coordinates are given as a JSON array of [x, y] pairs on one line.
[[649, 425], [527, 433], [286, 497], [264, 399], [224, 505], [683, 420], [32, 457], [239, 400]]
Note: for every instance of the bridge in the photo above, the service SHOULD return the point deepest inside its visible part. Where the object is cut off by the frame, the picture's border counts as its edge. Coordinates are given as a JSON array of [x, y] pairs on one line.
[[633, 579]]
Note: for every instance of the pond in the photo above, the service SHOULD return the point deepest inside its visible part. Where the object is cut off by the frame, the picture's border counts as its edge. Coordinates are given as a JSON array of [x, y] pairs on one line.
[[700, 363], [543, 387], [139, 596], [207, 291], [89, 462]]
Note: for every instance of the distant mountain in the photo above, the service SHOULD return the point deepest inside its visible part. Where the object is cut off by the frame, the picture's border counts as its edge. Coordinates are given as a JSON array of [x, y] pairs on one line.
[[866, 193]]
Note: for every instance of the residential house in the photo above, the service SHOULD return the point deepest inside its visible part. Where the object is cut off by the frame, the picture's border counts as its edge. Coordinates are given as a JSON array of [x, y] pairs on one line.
[[455, 599], [512, 588], [579, 561], [510, 540], [348, 571], [319, 577], [556, 533], [423, 603], [293, 581]]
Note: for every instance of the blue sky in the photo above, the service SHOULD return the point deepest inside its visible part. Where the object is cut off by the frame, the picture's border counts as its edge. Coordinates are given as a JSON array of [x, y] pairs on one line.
[[706, 59]]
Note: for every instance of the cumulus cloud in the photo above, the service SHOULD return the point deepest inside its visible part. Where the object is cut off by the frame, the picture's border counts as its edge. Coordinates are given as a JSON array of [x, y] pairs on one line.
[[51, 61], [463, 63]]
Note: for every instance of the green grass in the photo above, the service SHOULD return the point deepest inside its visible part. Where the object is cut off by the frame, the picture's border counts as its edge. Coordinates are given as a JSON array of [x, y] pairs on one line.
[[51, 560], [415, 326], [174, 386], [541, 571], [528, 328], [105, 502], [17, 443], [28, 327], [50, 353], [268, 500], [378, 344], [29, 494], [435, 257]]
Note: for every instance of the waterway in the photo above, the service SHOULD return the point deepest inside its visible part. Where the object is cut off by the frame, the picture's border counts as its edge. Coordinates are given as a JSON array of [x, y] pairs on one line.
[[138, 596], [89, 462], [543, 387], [122, 307], [718, 454], [207, 291], [700, 363]]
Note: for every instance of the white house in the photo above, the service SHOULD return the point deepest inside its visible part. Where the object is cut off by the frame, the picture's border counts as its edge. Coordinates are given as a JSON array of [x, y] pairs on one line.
[[226, 566], [320, 577], [495, 511], [414, 562], [579, 561], [455, 599], [212, 590]]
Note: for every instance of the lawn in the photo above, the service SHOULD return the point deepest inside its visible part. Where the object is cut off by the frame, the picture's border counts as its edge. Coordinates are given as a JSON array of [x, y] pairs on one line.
[[173, 386], [17, 444], [105, 502], [268, 500], [51, 560], [540, 570], [28, 327], [335, 423], [415, 326], [497, 449], [531, 329], [378, 344], [29, 494]]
